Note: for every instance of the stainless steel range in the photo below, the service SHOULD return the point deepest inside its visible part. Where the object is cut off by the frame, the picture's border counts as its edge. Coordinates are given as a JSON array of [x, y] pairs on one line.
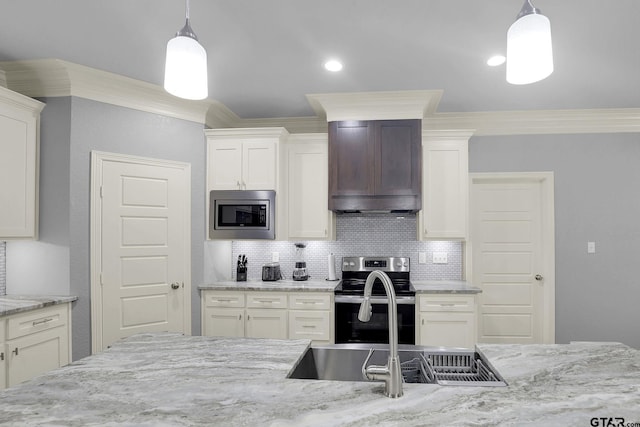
[[349, 294]]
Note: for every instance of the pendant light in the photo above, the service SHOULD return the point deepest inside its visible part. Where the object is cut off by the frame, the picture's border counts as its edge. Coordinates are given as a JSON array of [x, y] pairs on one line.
[[529, 52], [185, 71]]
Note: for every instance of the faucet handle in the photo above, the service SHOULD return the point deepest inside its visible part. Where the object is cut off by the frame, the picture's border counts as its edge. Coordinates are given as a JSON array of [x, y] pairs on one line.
[[364, 365]]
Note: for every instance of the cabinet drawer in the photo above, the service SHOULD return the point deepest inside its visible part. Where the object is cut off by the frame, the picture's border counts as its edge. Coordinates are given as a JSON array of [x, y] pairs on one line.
[[313, 325], [20, 325], [310, 301], [463, 303], [224, 299], [266, 300]]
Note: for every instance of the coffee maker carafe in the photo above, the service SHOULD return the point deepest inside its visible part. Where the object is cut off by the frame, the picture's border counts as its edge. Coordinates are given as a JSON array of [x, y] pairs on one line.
[[300, 270]]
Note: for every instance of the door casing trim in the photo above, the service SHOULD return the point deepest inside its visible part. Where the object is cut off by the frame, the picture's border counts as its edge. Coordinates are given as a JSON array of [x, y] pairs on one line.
[[546, 179], [97, 160]]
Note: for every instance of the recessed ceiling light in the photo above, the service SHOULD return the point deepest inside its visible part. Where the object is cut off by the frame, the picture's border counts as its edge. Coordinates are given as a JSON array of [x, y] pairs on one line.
[[333, 65], [496, 60]]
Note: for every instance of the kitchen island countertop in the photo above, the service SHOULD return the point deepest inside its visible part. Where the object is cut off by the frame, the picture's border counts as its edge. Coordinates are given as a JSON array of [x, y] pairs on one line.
[[12, 304], [175, 380]]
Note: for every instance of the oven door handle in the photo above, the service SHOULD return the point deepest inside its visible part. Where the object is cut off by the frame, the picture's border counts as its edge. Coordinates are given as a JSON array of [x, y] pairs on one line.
[[358, 299]]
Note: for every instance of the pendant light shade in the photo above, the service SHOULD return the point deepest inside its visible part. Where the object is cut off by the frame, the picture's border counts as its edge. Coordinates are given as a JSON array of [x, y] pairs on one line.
[[185, 71], [529, 50]]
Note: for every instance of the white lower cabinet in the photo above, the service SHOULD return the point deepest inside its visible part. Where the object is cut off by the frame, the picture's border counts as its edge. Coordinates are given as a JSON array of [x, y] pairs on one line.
[[446, 320], [278, 315], [35, 342], [311, 317]]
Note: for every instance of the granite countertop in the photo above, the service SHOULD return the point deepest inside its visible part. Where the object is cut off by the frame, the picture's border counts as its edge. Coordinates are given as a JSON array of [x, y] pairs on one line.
[[175, 380], [12, 304], [278, 285], [445, 287]]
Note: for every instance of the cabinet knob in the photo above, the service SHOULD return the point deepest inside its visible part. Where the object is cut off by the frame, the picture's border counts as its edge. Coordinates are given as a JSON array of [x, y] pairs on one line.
[[175, 285], [539, 277], [15, 351]]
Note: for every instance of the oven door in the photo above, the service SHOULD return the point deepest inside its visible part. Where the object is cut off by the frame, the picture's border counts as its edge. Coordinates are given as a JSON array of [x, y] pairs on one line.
[[351, 330]]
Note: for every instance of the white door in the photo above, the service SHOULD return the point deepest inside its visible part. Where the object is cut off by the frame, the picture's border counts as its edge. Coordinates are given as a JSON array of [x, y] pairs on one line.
[[513, 257], [142, 209]]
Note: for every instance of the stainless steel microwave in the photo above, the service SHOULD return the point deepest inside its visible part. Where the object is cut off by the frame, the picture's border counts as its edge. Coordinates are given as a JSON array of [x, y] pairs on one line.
[[246, 214]]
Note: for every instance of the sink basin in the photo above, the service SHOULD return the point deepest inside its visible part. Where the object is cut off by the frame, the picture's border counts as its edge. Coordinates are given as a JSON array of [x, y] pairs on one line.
[[427, 365]]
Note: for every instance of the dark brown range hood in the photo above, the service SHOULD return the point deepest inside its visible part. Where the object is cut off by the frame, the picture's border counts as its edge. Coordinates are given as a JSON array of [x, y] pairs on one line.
[[375, 166]]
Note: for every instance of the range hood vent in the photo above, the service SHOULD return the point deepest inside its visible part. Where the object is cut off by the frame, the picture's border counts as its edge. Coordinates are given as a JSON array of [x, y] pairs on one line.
[[375, 166]]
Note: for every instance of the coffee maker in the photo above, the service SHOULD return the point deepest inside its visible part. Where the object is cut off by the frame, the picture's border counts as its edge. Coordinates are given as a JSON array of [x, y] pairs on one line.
[[300, 270]]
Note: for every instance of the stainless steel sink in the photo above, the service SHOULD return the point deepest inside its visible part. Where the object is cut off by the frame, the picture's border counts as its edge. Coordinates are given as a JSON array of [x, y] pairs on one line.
[[428, 365]]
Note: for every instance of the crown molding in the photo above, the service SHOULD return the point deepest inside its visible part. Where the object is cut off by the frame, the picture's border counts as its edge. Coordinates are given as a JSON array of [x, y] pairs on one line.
[[613, 120], [244, 133], [293, 124], [56, 78], [411, 104], [42, 78], [17, 100]]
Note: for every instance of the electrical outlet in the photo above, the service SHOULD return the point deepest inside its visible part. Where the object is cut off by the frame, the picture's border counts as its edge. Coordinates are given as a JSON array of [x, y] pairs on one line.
[[440, 258], [422, 257], [275, 256], [591, 247]]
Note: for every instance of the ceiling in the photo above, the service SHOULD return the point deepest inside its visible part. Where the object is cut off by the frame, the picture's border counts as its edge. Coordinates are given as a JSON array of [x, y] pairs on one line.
[[266, 55]]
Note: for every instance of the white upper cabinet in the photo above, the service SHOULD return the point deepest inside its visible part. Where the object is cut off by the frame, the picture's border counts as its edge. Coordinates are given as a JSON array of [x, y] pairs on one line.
[[19, 145], [243, 159], [308, 214], [445, 198]]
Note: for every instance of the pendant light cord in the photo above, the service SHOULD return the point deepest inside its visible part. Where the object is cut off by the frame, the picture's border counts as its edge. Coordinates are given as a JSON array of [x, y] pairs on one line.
[[187, 9]]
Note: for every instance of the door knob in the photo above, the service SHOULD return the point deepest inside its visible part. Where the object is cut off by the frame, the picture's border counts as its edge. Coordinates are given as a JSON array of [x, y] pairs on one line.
[[538, 277], [175, 285]]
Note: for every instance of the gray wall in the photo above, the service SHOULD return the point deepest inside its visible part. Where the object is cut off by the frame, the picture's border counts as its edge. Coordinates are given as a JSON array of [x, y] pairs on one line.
[[71, 129], [597, 198]]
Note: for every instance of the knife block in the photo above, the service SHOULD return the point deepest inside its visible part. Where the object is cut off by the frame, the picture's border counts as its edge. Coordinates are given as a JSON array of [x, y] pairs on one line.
[[241, 274]]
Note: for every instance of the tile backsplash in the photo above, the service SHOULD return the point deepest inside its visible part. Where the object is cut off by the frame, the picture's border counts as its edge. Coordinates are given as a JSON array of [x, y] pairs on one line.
[[358, 235], [3, 268]]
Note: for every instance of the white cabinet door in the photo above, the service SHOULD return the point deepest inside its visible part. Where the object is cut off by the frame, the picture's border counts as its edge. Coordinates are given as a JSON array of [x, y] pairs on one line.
[[224, 165], [259, 165], [309, 324], [223, 322], [266, 323], [447, 329], [19, 124], [309, 217], [445, 186], [37, 353]]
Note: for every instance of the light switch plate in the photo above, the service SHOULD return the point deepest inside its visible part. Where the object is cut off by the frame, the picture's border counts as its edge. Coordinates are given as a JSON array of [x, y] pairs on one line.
[[591, 247], [440, 258], [275, 256]]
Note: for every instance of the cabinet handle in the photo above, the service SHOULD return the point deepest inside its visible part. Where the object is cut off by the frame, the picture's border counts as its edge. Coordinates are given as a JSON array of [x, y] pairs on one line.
[[423, 321], [309, 326], [240, 317], [264, 301], [2, 356], [248, 317], [325, 231], [40, 322], [15, 351], [446, 305], [239, 186]]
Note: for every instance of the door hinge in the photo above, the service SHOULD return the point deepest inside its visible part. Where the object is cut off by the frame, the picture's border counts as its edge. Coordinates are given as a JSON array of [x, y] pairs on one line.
[[101, 279]]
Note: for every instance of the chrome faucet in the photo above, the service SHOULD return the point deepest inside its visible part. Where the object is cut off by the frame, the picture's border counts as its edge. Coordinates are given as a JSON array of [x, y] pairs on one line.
[[391, 373]]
